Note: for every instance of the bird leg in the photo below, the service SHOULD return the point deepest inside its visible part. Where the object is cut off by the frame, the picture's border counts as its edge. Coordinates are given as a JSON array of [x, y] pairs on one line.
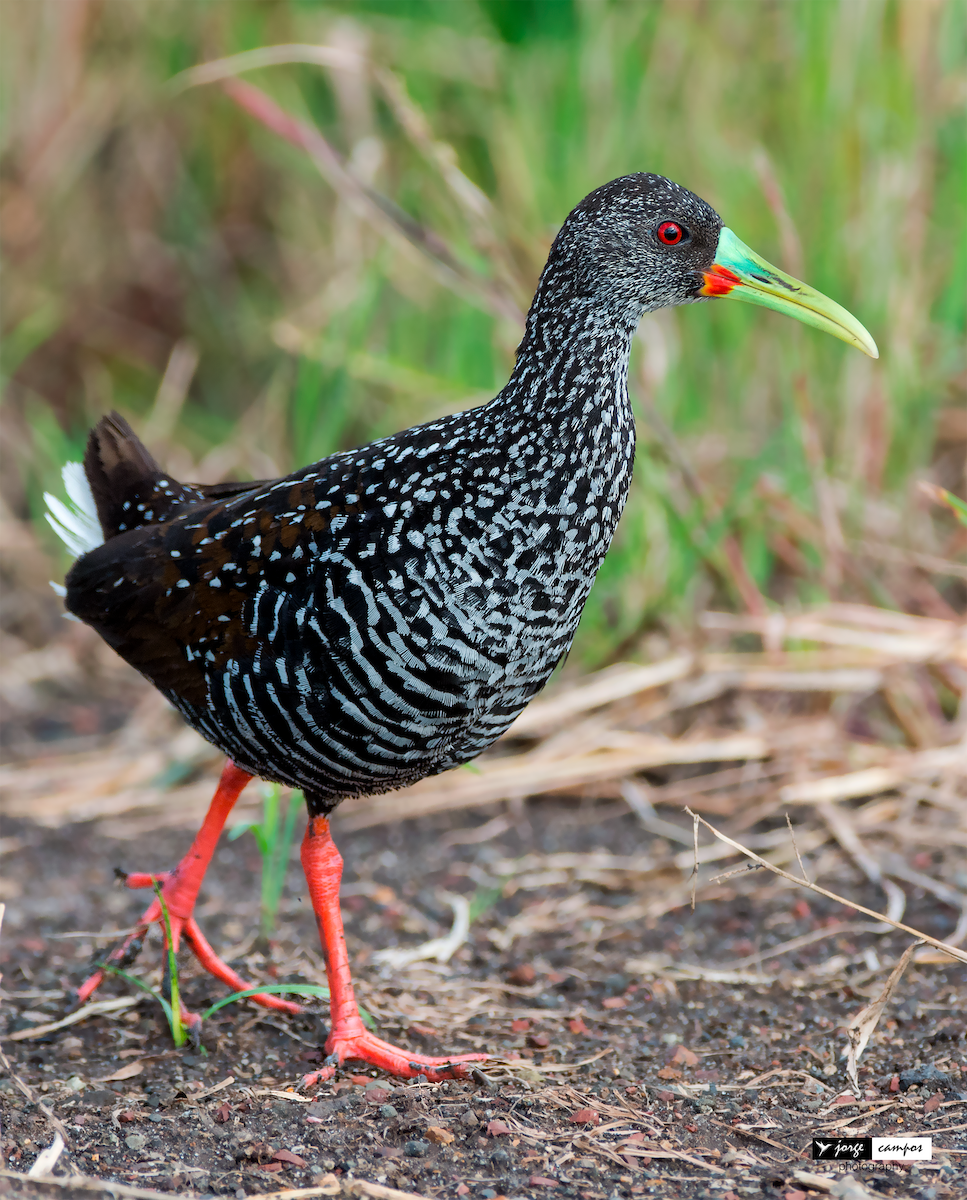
[[180, 889], [349, 1037]]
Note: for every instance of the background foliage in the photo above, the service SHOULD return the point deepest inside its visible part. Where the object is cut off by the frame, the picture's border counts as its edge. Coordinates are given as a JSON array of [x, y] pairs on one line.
[[155, 231]]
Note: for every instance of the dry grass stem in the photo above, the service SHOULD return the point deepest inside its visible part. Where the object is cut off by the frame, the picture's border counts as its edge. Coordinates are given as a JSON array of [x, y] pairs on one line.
[[440, 949], [335, 57], [845, 833], [953, 951], [694, 876], [860, 1029], [605, 687], [795, 846], [908, 558], [46, 1160], [96, 1009]]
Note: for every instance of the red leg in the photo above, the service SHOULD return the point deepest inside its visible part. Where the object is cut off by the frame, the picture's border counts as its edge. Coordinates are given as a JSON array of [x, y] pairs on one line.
[[349, 1037], [180, 890]]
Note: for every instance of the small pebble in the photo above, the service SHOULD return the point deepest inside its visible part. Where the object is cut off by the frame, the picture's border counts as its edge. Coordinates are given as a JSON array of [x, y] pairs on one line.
[[135, 1141], [737, 1042], [387, 1112], [417, 1149], [524, 974]]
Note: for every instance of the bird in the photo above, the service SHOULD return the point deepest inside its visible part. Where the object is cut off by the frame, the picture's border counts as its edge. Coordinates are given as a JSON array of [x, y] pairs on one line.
[[386, 613]]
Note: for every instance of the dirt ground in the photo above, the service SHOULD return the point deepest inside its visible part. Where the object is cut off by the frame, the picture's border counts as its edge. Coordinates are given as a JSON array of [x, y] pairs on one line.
[[613, 1079], [640, 1048]]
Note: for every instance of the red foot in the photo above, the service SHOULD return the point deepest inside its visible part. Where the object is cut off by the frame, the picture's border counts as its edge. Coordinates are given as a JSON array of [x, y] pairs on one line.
[[367, 1047], [349, 1037], [180, 890]]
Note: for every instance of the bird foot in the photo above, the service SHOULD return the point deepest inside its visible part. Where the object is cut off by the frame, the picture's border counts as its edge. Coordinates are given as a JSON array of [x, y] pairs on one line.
[[182, 923], [366, 1047]]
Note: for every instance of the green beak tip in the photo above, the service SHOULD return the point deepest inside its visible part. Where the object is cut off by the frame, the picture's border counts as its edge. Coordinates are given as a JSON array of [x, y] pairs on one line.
[[740, 274]]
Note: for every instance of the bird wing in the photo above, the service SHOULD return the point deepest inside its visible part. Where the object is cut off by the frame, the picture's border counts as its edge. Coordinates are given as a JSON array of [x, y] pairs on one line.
[[179, 599]]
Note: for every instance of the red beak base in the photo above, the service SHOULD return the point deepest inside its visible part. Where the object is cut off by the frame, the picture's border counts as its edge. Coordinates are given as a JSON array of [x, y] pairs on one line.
[[719, 281]]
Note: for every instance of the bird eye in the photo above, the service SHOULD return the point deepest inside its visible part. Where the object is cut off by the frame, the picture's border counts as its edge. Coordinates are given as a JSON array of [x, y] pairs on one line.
[[670, 234]]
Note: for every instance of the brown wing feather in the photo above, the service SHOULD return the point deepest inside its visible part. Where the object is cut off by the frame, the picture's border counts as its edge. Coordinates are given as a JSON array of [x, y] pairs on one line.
[[128, 590], [228, 491], [170, 597]]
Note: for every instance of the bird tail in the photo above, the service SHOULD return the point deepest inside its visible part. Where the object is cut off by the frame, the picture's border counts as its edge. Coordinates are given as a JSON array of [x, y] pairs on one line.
[[117, 471], [75, 522], [119, 487], [127, 485]]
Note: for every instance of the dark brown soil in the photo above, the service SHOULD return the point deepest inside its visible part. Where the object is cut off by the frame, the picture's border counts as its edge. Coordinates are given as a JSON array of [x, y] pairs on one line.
[[662, 1085]]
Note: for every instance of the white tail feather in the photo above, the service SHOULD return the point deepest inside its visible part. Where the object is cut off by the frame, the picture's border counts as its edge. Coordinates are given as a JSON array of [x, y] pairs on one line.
[[75, 523]]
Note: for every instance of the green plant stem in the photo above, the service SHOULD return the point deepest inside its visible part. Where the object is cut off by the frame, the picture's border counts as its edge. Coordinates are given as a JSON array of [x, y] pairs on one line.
[[139, 983], [174, 1012], [276, 865]]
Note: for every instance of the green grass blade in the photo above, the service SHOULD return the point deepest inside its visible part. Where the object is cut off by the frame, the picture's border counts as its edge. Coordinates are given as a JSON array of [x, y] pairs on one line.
[[277, 865], [138, 983], [236, 831], [941, 496], [174, 1010], [272, 989], [283, 989]]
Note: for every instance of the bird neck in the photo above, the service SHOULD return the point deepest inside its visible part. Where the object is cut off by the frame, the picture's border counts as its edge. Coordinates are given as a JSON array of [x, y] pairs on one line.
[[573, 362]]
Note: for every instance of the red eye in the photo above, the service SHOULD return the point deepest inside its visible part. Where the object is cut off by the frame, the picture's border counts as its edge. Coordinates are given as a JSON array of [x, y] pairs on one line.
[[669, 233]]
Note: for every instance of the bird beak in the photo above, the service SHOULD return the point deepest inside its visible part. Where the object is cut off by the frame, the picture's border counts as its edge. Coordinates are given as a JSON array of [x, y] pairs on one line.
[[741, 274]]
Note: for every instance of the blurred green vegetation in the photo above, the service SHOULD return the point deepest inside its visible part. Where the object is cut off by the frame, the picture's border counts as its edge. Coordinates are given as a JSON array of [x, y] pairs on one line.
[[152, 227]]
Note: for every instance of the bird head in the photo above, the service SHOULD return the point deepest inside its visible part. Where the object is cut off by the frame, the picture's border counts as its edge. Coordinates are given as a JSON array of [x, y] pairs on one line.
[[641, 243]]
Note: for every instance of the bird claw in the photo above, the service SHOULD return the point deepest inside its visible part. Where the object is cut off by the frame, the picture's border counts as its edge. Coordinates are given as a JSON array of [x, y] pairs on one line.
[[366, 1047], [180, 924], [315, 1077]]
